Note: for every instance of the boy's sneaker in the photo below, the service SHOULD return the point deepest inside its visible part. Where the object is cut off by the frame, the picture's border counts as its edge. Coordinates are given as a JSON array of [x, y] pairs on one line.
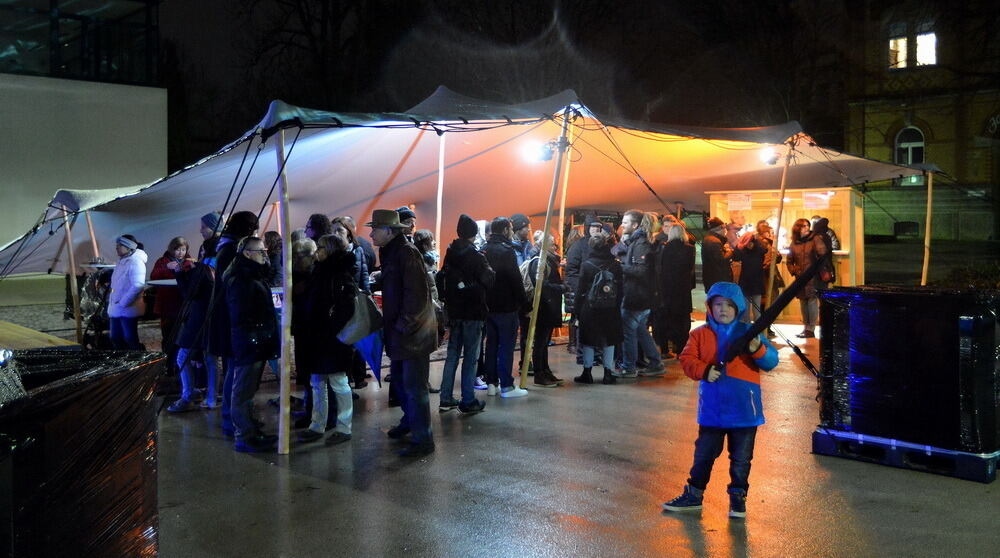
[[492, 390], [513, 391], [689, 500], [738, 504], [447, 405]]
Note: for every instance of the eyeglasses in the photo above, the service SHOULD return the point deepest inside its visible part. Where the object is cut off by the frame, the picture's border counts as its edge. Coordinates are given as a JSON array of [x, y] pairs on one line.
[[249, 250]]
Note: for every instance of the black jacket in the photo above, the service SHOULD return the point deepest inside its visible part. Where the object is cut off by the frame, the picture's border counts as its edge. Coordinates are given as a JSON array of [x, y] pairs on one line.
[[715, 266], [219, 338], [196, 285], [752, 272], [602, 326], [550, 308], [328, 303], [466, 277], [507, 293], [638, 265], [410, 325], [578, 253], [253, 322], [676, 268]]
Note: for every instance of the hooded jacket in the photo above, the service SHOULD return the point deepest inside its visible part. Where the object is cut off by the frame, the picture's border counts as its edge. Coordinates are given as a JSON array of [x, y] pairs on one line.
[[127, 281], [254, 325], [219, 338], [327, 305], [195, 281], [578, 253], [599, 327], [472, 276], [638, 265], [507, 293], [734, 400]]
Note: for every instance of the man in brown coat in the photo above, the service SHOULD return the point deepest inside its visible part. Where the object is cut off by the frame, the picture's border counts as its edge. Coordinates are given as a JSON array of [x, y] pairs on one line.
[[410, 327]]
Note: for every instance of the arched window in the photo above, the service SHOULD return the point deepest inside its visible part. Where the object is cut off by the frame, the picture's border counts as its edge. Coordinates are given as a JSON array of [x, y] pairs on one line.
[[910, 151]]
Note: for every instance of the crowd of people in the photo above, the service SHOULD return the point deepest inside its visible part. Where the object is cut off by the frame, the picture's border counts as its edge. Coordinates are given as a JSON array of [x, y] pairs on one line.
[[628, 292]]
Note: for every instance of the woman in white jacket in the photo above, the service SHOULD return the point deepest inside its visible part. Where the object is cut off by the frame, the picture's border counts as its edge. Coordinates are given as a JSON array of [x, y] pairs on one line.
[[125, 304]]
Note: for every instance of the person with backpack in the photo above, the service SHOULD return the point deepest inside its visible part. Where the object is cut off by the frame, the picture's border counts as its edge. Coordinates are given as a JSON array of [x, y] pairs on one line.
[[599, 297], [463, 282]]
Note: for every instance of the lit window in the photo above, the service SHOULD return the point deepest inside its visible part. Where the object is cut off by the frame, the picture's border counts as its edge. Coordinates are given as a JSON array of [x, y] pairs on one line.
[[926, 49], [910, 151], [897, 52]]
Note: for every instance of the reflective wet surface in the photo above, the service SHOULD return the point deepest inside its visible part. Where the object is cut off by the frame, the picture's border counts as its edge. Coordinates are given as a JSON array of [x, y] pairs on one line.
[[573, 471]]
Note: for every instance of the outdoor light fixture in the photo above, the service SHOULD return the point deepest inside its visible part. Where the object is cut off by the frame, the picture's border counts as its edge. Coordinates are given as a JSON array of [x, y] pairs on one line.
[[769, 156], [534, 152]]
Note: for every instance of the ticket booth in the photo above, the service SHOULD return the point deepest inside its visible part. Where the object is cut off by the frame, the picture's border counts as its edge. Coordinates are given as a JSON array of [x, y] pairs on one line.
[[842, 206]]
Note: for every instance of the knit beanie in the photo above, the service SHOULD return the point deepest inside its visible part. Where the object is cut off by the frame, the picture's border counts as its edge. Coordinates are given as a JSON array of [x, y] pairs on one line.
[[212, 220], [467, 227]]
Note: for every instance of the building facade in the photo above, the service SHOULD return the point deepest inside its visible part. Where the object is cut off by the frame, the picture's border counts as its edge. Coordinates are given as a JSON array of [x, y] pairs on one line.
[[928, 93]]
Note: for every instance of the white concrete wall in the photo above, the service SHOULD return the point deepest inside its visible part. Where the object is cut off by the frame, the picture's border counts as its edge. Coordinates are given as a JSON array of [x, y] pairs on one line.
[[57, 133]]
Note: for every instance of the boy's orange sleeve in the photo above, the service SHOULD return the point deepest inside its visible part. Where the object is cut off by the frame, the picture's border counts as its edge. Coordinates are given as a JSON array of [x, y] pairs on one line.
[[694, 360]]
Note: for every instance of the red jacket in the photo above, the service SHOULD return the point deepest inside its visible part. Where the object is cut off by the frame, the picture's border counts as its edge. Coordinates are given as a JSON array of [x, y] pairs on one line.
[[168, 298]]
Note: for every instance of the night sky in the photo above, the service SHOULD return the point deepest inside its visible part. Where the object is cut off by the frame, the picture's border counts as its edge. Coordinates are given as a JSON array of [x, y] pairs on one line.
[[718, 62]]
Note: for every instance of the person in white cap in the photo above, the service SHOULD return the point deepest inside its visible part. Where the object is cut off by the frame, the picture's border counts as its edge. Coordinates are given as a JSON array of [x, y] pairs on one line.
[[125, 305]]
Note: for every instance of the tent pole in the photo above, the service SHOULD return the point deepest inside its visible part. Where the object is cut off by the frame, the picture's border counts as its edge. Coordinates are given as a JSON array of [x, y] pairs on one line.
[[93, 237], [781, 210], [270, 215], [562, 203], [284, 422], [543, 254], [927, 229], [440, 193], [74, 293], [275, 207]]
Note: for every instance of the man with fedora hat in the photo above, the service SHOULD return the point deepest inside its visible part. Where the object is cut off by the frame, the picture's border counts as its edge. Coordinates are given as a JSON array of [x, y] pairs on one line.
[[409, 327]]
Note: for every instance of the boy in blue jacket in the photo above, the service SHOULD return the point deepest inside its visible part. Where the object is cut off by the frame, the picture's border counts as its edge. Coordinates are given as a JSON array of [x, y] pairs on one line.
[[729, 400]]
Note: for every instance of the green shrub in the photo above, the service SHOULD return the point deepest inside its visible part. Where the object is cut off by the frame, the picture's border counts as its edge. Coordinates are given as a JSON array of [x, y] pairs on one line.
[[978, 275]]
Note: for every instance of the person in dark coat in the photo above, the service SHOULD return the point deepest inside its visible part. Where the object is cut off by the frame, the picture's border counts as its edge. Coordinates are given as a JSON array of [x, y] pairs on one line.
[[466, 276], [409, 326], [344, 228], [600, 329], [195, 281], [575, 256], [716, 256], [676, 269], [549, 315], [504, 299], [255, 339], [751, 252], [329, 306], [240, 225], [806, 248], [638, 265]]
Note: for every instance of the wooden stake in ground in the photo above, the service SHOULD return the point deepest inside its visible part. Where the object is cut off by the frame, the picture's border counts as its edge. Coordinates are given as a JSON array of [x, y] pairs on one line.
[[927, 229], [529, 343], [74, 293], [284, 411]]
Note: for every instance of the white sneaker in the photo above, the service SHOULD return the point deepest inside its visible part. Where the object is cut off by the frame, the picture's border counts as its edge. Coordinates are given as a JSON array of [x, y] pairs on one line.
[[480, 384], [514, 392], [492, 390]]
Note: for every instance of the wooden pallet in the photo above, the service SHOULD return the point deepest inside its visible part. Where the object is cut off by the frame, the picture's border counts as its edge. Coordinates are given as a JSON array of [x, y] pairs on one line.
[[980, 467]]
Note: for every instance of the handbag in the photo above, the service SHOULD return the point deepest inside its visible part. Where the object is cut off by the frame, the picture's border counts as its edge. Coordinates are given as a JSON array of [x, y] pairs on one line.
[[366, 319]]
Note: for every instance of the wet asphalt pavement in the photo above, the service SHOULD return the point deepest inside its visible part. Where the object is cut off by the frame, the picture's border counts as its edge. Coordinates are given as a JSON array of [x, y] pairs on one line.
[[572, 471]]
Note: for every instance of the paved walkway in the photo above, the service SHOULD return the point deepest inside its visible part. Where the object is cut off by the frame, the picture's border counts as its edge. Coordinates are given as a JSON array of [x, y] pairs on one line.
[[575, 471]]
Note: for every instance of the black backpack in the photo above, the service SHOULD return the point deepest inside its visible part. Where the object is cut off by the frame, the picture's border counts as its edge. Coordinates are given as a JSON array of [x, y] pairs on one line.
[[603, 292]]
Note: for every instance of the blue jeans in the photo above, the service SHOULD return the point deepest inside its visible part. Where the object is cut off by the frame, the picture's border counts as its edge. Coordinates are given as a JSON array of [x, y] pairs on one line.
[[607, 356], [636, 334], [246, 379], [125, 334], [414, 398], [708, 446], [187, 375], [227, 388], [501, 332], [464, 338], [321, 405]]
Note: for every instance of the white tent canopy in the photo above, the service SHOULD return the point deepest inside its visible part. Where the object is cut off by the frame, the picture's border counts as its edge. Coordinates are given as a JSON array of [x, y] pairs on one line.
[[350, 164]]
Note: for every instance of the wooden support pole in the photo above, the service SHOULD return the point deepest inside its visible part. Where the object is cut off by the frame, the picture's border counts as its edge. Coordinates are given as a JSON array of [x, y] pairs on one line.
[[927, 229], [781, 210], [440, 194], [93, 237], [74, 293], [543, 253], [562, 202], [284, 381]]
